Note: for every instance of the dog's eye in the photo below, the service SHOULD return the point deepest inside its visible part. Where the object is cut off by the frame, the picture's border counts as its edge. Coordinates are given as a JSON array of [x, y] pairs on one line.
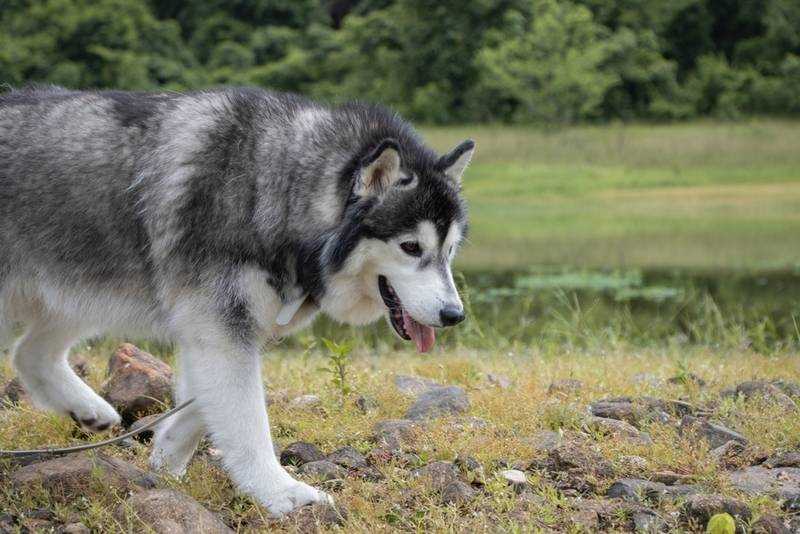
[[411, 248]]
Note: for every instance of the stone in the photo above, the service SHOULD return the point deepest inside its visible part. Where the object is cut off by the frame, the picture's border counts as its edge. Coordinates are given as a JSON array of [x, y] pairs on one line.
[[765, 390], [648, 522], [70, 476], [276, 397], [698, 509], [566, 386], [571, 456], [138, 383], [471, 469], [299, 453], [316, 518], [457, 493], [633, 463], [499, 381], [617, 428], [639, 490], [322, 470], [769, 524], [348, 457], [447, 400], [394, 434], [414, 385], [167, 511], [670, 477], [631, 410], [74, 528], [787, 459], [146, 435], [366, 404], [781, 482], [438, 474], [546, 440], [305, 402], [716, 434], [515, 478]]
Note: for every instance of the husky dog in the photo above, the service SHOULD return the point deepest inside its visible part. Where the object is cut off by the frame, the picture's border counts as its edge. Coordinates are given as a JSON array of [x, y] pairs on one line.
[[219, 220]]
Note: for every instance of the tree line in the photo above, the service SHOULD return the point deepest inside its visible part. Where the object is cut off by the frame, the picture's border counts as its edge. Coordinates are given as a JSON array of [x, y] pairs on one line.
[[437, 61]]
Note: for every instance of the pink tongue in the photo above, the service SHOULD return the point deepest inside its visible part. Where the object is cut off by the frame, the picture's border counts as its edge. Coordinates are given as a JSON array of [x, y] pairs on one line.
[[423, 336]]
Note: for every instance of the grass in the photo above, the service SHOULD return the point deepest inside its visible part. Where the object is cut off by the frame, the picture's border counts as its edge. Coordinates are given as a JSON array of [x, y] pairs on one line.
[[697, 195], [403, 502]]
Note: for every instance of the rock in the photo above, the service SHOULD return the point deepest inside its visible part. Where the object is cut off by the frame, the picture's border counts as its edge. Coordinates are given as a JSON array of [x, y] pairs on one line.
[[499, 381], [457, 493], [670, 477], [468, 423], [394, 434], [322, 470], [630, 410], [546, 440], [698, 509], [565, 386], [278, 396], [383, 455], [571, 456], [781, 482], [316, 518], [647, 521], [448, 400], [304, 402], [366, 404], [616, 428], [765, 390], [790, 388], [167, 511], [787, 459], [769, 524], [137, 383], [147, 435], [299, 453], [638, 490], [716, 434], [70, 476], [632, 463], [687, 378], [414, 385], [515, 478], [586, 519], [438, 474], [348, 457], [74, 528], [471, 469]]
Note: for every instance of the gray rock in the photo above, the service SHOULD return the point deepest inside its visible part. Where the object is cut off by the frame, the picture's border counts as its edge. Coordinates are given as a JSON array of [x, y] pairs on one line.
[[670, 477], [322, 470], [781, 482], [457, 493], [616, 428], [316, 518], [471, 469], [515, 478], [764, 390], [648, 522], [395, 434], [716, 434], [698, 509], [449, 400], [304, 402], [787, 459], [546, 440], [299, 453], [769, 524], [631, 410], [414, 385], [438, 474], [565, 386], [167, 511], [70, 476], [348, 457], [727, 452], [499, 381], [638, 490], [138, 383], [74, 528]]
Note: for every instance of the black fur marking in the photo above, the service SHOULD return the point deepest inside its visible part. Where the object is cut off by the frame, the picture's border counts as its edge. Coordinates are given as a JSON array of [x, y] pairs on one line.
[[133, 109], [447, 161]]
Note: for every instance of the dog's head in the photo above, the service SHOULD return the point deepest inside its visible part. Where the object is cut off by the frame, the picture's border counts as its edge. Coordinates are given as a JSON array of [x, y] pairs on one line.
[[402, 228]]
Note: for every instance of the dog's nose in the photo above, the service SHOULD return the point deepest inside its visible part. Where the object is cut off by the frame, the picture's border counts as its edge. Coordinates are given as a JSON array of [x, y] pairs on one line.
[[451, 315]]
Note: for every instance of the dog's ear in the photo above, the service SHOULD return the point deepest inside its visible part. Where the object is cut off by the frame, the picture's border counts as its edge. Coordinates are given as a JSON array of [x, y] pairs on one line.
[[455, 162], [379, 170]]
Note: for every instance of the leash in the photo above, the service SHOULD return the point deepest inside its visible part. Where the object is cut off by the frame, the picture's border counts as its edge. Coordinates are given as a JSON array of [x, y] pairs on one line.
[[90, 446]]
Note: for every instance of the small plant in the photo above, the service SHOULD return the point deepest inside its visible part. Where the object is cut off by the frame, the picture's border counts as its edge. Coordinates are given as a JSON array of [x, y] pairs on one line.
[[338, 362]]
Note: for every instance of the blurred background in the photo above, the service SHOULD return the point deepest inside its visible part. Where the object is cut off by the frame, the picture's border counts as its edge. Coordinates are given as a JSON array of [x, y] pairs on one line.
[[637, 179]]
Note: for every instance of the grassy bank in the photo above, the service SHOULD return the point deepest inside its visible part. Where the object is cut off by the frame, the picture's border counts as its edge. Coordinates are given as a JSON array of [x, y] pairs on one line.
[[698, 195], [513, 419]]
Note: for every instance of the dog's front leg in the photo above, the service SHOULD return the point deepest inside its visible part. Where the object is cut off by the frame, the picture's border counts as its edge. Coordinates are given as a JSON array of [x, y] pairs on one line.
[[224, 377]]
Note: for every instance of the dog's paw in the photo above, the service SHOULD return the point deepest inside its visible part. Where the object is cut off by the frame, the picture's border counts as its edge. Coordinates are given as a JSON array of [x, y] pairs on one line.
[[293, 496], [96, 416]]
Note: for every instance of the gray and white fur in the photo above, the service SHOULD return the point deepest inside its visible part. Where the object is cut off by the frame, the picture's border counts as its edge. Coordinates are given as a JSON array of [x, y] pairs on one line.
[[218, 220]]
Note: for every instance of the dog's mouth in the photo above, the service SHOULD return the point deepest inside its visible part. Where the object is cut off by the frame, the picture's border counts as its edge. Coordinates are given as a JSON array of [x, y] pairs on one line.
[[406, 326]]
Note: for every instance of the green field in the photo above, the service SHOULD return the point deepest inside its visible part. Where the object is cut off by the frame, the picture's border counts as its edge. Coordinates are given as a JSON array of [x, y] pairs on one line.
[[698, 195]]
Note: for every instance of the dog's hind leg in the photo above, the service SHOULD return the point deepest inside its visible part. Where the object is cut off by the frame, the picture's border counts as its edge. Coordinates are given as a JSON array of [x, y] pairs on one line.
[[40, 359], [177, 438]]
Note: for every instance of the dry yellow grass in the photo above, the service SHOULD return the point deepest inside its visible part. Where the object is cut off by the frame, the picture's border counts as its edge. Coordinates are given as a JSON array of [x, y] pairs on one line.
[[514, 416]]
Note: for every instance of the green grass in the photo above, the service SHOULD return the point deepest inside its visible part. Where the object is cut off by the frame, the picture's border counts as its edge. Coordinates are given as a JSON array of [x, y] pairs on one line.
[[698, 195]]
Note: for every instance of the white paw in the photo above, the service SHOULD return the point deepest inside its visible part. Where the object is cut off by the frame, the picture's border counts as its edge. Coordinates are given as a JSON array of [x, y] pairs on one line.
[[95, 415], [293, 496]]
